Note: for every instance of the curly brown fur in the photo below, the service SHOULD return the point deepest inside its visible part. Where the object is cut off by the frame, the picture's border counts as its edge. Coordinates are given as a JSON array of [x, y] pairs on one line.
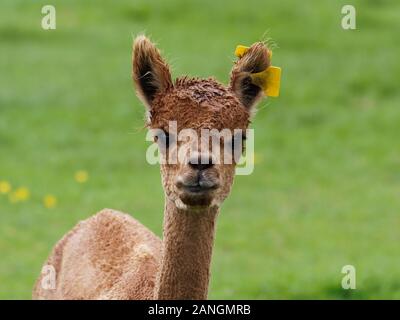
[[199, 104]]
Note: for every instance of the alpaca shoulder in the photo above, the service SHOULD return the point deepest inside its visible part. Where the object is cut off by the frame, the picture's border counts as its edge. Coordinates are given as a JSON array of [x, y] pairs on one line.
[[108, 256]]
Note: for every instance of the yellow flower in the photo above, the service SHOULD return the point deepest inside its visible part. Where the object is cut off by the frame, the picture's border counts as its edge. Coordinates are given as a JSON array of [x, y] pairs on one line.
[[50, 201], [5, 187], [81, 176], [20, 195]]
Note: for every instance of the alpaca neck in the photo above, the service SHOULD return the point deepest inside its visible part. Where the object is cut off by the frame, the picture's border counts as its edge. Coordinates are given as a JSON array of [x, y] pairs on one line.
[[188, 239]]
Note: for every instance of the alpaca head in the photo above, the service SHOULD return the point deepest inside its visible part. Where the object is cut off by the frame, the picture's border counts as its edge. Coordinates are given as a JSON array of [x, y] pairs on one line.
[[198, 124]]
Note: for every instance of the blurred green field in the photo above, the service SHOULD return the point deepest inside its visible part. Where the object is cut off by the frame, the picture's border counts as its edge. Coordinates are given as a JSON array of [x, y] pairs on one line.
[[326, 188]]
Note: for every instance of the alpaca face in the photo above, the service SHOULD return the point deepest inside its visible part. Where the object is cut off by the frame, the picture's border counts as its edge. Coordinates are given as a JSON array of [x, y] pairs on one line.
[[208, 119], [199, 126]]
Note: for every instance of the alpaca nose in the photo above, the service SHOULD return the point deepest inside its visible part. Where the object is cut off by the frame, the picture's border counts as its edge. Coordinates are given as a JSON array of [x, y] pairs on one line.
[[201, 162]]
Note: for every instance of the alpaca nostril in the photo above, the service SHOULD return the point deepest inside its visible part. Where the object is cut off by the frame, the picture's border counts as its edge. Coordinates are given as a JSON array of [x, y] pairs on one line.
[[201, 163]]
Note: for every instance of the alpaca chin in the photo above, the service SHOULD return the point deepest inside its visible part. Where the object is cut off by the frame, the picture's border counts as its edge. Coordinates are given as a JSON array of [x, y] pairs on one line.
[[195, 206]]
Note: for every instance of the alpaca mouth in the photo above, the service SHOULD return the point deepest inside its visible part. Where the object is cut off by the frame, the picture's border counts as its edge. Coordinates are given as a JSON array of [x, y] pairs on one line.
[[196, 190], [199, 189], [197, 195], [197, 185]]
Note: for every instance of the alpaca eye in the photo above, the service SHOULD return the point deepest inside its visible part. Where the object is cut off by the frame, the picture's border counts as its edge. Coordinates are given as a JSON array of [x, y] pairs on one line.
[[239, 142], [163, 139]]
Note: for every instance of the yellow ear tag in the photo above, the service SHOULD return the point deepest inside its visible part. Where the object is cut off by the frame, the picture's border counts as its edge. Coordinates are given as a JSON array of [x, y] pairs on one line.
[[269, 79], [241, 50]]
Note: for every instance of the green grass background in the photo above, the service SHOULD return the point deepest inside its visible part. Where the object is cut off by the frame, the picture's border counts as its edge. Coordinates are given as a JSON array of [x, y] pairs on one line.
[[326, 189]]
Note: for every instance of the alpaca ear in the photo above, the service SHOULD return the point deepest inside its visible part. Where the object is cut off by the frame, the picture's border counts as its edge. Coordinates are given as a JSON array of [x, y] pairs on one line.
[[254, 60], [150, 72]]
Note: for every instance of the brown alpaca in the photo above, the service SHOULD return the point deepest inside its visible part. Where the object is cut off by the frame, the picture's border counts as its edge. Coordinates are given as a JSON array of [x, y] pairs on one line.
[[113, 256]]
